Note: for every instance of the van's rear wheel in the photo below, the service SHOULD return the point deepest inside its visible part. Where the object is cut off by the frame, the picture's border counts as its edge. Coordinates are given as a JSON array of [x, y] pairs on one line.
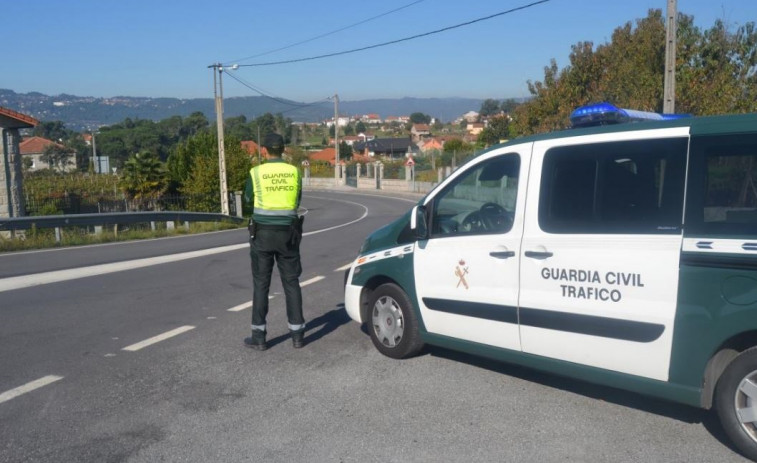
[[392, 323], [736, 401]]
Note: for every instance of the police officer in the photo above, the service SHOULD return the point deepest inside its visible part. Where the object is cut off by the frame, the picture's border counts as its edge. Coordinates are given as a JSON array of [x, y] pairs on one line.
[[274, 189]]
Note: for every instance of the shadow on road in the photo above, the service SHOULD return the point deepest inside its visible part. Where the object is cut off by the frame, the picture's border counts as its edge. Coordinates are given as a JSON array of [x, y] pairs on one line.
[[676, 411], [620, 397], [319, 327]]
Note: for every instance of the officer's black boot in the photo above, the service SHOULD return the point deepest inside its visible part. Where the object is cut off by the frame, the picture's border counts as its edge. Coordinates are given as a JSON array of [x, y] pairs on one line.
[[256, 341], [298, 338]]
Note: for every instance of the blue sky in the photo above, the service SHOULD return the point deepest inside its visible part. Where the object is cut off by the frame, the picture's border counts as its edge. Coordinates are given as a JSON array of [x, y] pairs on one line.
[[162, 48]]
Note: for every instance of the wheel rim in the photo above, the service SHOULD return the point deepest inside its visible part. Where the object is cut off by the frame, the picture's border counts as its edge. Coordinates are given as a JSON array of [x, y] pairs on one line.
[[746, 404], [388, 321]]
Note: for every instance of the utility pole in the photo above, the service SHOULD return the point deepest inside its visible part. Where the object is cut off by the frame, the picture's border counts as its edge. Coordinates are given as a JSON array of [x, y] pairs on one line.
[[95, 169], [218, 93], [260, 146], [336, 138], [669, 96]]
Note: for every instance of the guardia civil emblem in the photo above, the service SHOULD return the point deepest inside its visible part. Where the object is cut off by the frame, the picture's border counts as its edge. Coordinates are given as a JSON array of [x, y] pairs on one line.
[[461, 270]]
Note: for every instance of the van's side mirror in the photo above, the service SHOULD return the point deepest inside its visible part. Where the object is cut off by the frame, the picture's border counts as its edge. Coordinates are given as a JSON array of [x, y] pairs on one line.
[[418, 223]]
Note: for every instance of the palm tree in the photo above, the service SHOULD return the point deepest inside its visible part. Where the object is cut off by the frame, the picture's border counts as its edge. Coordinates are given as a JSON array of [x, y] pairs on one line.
[[144, 178]]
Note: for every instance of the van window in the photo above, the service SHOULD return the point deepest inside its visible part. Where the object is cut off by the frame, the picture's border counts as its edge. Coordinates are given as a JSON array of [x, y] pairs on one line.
[[616, 187], [723, 196], [480, 201]]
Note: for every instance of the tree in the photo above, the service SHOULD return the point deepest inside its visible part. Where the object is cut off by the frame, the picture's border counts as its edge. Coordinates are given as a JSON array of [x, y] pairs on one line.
[[360, 127], [198, 164], [194, 124], [182, 161], [143, 178], [349, 130], [264, 125], [52, 130], [57, 156], [455, 151], [715, 73], [489, 107], [345, 151], [420, 118], [75, 144], [238, 127], [507, 106], [497, 130]]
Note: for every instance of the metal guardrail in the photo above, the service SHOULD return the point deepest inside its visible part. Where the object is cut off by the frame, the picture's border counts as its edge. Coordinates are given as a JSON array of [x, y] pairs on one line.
[[116, 218]]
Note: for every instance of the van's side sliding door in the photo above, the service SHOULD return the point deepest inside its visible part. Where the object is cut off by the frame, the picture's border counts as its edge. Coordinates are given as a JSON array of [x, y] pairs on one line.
[[601, 249]]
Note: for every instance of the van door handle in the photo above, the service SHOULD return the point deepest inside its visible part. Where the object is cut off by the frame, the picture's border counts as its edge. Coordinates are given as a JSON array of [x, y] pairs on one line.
[[538, 254], [502, 254]]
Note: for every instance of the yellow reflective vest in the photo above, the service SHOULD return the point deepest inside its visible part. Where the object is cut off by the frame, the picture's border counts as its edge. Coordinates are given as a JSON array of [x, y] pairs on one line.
[[276, 188]]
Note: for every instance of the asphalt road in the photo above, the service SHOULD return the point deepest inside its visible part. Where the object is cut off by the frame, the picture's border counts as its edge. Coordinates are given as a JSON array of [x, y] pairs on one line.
[[84, 378]]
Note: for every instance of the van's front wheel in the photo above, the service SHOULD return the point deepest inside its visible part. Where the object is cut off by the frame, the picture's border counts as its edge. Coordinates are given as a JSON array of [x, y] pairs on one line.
[[736, 401], [392, 323]]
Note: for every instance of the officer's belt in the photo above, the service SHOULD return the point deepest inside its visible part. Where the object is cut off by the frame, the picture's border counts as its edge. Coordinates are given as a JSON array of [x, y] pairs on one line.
[[266, 226]]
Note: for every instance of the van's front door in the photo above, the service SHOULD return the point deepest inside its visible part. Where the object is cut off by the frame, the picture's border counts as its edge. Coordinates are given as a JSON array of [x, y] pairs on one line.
[[466, 273], [601, 248]]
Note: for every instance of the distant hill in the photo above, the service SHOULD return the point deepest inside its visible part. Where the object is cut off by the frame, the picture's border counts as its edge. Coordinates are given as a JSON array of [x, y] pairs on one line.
[[84, 113]]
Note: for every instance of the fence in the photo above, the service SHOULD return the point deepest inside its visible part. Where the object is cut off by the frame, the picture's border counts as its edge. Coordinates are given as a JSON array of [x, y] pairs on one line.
[[98, 221], [78, 204], [391, 176]]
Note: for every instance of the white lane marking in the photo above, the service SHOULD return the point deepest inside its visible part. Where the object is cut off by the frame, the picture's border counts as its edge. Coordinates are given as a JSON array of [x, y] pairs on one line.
[[28, 387], [365, 214], [414, 201], [312, 280], [343, 267], [245, 305], [116, 243], [241, 307], [25, 281], [158, 338]]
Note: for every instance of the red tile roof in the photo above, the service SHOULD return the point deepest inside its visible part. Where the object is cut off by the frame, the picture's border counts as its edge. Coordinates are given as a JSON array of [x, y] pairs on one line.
[[15, 120], [35, 145], [325, 155]]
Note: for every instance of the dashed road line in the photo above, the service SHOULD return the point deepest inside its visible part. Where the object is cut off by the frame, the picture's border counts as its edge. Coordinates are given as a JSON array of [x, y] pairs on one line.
[[28, 387], [241, 307], [158, 338], [312, 280], [343, 267]]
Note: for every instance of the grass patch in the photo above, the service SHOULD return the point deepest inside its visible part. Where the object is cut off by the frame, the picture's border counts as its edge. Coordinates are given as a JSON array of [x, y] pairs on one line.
[[81, 236]]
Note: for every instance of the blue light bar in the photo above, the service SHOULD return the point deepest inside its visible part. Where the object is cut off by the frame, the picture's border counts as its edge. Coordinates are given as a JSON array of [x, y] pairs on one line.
[[606, 113]]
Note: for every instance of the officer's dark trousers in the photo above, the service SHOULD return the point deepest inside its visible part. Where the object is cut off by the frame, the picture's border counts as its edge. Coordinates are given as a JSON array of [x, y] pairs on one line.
[[271, 244]]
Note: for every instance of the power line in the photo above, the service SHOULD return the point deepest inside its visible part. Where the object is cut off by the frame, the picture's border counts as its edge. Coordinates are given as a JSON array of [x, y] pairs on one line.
[[328, 33], [277, 99], [392, 42]]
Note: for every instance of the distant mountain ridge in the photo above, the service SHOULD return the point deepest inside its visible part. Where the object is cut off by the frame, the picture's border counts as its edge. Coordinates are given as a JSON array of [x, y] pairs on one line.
[[86, 113]]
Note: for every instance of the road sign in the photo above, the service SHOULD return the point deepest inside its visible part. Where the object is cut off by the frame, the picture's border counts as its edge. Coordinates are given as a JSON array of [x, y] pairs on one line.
[[305, 163], [410, 162]]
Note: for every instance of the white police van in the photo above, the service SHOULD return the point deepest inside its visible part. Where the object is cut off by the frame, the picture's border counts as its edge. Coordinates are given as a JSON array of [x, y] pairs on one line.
[[623, 254]]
